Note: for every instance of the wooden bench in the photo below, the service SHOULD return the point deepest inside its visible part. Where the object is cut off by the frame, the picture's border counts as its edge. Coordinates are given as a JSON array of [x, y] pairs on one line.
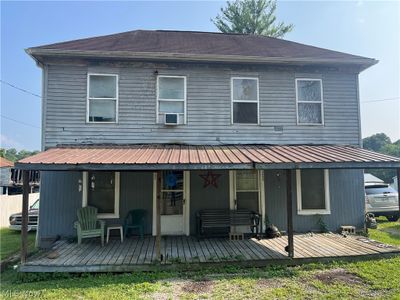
[[218, 222]]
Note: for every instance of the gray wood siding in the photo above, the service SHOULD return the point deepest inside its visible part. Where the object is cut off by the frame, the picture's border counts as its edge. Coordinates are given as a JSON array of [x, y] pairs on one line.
[[60, 198], [208, 106], [136, 193], [207, 197], [346, 198]]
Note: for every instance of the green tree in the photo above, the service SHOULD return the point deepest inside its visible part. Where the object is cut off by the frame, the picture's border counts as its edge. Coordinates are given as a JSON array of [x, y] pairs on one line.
[[251, 17], [381, 143], [14, 155], [376, 142]]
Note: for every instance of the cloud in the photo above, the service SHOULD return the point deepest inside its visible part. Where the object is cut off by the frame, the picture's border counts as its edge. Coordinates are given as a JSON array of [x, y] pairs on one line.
[[7, 142]]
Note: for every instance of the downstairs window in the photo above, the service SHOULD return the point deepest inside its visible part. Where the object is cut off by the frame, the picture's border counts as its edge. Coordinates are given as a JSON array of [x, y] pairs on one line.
[[313, 192], [101, 190]]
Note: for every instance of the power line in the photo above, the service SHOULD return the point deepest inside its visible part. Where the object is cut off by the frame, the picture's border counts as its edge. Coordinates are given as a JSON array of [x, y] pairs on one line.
[[20, 122], [380, 100], [20, 89]]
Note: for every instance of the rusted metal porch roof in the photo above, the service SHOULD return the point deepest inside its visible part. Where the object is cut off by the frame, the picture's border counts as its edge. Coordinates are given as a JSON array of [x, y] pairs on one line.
[[191, 157]]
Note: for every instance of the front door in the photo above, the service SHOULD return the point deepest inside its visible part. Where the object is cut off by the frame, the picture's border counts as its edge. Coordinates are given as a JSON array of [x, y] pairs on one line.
[[174, 203]]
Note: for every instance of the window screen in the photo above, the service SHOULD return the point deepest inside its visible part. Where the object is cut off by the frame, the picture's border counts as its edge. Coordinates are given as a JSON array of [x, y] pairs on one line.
[[309, 101], [312, 189], [245, 100], [101, 191]]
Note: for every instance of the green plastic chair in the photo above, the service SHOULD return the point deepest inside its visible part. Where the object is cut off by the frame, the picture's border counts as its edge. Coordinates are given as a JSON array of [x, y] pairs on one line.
[[88, 226], [135, 220]]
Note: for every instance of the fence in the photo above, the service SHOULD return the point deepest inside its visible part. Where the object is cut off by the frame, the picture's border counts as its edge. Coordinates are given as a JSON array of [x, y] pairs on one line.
[[11, 204]]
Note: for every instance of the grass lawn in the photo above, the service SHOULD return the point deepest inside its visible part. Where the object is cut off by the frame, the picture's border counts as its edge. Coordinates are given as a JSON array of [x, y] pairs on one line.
[[387, 232], [10, 242], [377, 278]]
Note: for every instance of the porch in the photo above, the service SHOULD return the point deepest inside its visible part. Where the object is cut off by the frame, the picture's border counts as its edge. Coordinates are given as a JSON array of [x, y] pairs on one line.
[[140, 254], [144, 168]]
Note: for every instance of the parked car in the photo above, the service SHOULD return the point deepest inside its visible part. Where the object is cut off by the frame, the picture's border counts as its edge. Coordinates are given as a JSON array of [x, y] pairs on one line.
[[33, 213], [382, 200]]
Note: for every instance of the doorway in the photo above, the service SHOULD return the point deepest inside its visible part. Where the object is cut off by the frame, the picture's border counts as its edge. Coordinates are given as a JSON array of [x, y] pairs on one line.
[[174, 202]]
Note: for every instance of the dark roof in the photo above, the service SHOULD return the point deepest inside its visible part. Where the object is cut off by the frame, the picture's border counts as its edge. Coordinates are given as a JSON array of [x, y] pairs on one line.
[[186, 44], [164, 156]]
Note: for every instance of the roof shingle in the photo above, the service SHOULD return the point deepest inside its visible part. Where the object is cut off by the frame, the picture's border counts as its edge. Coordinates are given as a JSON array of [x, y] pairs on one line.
[[208, 44]]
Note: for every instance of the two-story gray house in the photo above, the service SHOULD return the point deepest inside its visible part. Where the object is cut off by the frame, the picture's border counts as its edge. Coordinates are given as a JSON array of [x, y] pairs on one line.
[[200, 121]]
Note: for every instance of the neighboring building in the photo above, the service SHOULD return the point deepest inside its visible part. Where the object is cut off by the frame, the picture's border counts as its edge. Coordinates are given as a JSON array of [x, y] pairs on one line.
[[222, 118], [5, 175], [11, 179]]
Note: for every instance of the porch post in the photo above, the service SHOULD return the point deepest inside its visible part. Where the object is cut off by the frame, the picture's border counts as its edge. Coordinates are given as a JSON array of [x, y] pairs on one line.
[[25, 208], [158, 216], [289, 213]]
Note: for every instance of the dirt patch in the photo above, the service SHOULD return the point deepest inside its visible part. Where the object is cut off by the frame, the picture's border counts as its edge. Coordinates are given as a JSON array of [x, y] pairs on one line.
[[197, 287], [338, 275], [269, 283]]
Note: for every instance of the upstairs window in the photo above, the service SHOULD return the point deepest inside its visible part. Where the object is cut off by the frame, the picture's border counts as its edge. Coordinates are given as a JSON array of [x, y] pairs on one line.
[[312, 191], [171, 97], [102, 98], [244, 100], [310, 110]]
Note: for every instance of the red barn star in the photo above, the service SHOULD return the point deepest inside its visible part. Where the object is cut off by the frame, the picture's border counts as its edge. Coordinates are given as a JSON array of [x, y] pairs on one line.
[[210, 179]]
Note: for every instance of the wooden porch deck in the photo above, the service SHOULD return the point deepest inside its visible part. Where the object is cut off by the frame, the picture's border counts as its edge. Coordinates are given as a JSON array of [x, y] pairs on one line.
[[139, 254]]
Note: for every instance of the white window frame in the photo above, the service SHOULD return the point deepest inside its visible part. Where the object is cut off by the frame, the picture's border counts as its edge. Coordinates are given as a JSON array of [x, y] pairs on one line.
[[88, 98], [114, 215], [171, 100], [246, 101], [300, 210], [316, 102], [261, 193]]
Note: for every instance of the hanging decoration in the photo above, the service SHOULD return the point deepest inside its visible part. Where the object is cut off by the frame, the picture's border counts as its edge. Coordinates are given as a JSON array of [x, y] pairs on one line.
[[210, 179], [171, 180]]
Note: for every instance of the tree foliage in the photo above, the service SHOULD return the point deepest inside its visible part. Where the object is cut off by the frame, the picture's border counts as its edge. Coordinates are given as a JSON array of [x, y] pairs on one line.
[[251, 17], [14, 155], [381, 143], [376, 142]]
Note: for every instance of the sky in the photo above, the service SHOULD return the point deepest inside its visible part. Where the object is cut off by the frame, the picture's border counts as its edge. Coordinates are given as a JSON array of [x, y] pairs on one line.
[[365, 28]]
